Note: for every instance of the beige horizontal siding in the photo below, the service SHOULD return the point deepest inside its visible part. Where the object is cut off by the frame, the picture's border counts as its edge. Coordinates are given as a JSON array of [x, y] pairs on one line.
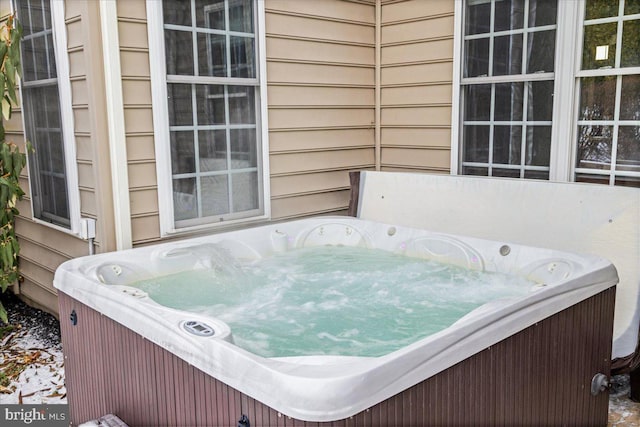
[[319, 139], [44, 248], [308, 183], [416, 72], [304, 161], [321, 78]]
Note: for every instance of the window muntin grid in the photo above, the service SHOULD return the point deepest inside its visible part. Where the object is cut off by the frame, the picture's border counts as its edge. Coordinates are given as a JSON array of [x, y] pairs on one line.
[[512, 136], [213, 94], [608, 122], [42, 114]]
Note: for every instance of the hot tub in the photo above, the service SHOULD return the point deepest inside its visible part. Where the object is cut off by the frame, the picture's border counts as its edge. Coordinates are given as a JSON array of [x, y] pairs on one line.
[[527, 357]]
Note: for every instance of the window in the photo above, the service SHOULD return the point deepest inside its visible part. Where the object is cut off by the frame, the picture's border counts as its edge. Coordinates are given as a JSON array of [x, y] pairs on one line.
[[507, 87], [43, 92], [608, 136], [512, 123], [213, 135]]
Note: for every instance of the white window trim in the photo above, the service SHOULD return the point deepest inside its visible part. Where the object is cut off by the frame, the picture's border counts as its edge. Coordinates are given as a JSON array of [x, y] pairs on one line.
[[569, 36], [161, 129], [66, 112]]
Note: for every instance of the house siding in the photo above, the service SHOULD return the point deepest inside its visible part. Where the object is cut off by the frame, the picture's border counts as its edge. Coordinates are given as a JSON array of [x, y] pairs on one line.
[[321, 93], [138, 118], [416, 78], [321, 86], [44, 248]]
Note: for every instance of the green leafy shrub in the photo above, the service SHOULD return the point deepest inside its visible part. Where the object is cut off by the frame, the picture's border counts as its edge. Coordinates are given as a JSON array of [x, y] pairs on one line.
[[12, 161]]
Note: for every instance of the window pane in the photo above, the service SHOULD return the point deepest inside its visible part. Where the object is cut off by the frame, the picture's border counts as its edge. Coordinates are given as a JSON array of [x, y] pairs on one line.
[[210, 14], [477, 98], [599, 48], [505, 173], [476, 144], [597, 98], [241, 16], [594, 147], [538, 147], [536, 175], [41, 56], [507, 143], [628, 158], [185, 199], [50, 117], [211, 104], [56, 151], [242, 64], [631, 7], [245, 191], [51, 60], [242, 104], [628, 181], [473, 170], [212, 55], [476, 58], [478, 17], [630, 44], [215, 195], [541, 51], [176, 12], [244, 150], [28, 65], [36, 15], [601, 9], [509, 15], [540, 103], [213, 150], [180, 106], [507, 55], [183, 157], [60, 206], [592, 179], [178, 47], [542, 12], [508, 102], [630, 102]]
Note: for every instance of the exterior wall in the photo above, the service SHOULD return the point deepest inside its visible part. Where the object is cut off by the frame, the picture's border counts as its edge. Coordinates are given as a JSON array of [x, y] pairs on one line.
[[320, 70], [321, 84], [44, 248], [136, 92], [416, 77], [321, 76]]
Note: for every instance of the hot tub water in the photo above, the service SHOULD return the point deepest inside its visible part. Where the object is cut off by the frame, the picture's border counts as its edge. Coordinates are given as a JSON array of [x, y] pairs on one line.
[[333, 300]]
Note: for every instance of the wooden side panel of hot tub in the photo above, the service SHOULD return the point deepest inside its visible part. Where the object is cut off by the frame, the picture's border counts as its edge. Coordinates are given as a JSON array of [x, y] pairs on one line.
[[539, 376]]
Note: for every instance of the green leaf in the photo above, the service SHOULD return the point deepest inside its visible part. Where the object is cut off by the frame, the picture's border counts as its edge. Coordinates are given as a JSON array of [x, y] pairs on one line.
[[3, 312], [11, 92], [6, 109], [10, 71], [3, 49]]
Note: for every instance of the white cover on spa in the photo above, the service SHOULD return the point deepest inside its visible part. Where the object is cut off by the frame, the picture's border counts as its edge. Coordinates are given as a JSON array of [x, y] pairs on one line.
[[574, 217]]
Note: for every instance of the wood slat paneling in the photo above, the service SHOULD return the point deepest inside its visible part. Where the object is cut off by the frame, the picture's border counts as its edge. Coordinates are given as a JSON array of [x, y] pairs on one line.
[[539, 376]]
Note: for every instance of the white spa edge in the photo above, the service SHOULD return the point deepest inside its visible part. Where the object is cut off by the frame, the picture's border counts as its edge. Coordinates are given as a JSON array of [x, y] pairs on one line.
[[328, 388]]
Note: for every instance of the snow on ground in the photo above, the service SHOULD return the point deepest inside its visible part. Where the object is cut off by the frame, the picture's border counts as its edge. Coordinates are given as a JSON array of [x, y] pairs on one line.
[[31, 360]]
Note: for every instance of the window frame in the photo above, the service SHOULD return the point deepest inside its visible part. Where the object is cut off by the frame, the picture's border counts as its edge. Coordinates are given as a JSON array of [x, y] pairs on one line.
[[58, 27], [568, 56], [168, 226]]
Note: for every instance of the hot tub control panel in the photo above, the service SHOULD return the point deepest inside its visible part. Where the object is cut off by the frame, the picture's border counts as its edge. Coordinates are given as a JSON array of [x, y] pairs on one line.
[[198, 328]]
